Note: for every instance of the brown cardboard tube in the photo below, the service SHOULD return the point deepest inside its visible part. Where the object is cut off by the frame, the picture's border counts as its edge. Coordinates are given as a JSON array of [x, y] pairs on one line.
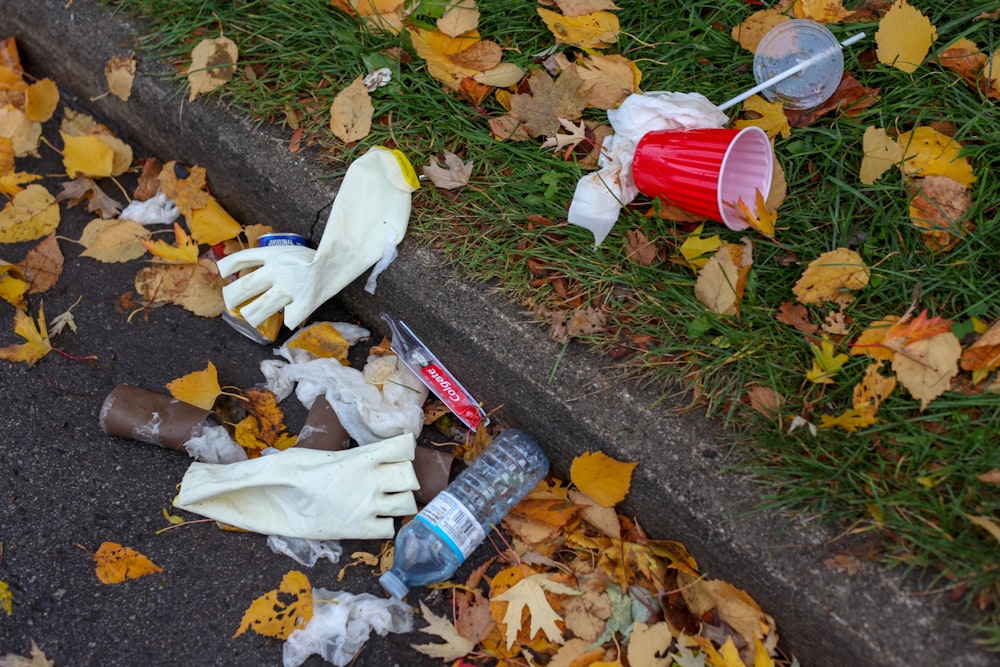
[[158, 419], [323, 429], [433, 468]]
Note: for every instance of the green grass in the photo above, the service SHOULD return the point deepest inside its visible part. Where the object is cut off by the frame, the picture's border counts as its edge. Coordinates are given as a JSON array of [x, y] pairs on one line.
[[912, 477]]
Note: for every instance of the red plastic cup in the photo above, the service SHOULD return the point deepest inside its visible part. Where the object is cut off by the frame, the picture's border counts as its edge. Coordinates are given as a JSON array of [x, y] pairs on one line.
[[701, 170]]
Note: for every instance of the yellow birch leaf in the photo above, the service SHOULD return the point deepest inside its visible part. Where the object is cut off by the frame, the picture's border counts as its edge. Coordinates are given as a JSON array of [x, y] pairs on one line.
[[199, 388], [595, 30], [904, 37], [322, 339], [722, 280], [87, 155], [772, 117], [13, 284], [881, 153], [213, 63], [43, 98], [832, 277], [351, 112], [212, 224], [36, 338], [825, 363], [32, 214], [604, 479], [502, 76], [439, 51], [280, 612], [119, 72], [873, 389], [114, 240], [23, 133], [184, 251], [696, 248], [927, 366], [529, 593], [116, 563], [76, 124], [754, 27], [459, 17], [821, 11], [850, 420], [929, 152]]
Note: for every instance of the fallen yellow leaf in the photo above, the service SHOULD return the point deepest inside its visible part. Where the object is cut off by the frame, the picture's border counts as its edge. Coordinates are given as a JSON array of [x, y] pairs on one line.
[[596, 30], [832, 277], [116, 563], [772, 117], [184, 251], [279, 612], [604, 479], [212, 224], [904, 37], [213, 63], [881, 153], [825, 363], [32, 214], [722, 280], [200, 388], [36, 338]]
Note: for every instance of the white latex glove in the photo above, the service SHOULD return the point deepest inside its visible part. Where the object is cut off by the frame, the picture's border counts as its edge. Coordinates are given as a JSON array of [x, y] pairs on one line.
[[367, 220], [308, 493]]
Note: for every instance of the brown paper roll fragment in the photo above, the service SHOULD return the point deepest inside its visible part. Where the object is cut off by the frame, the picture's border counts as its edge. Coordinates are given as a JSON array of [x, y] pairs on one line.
[[158, 419], [433, 468], [323, 429]]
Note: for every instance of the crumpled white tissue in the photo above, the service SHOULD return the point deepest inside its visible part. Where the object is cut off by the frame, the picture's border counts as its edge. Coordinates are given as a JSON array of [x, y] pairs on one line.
[[600, 195], [341, 624], [304, 551], [368, 412], [214, 445], [157, 210]]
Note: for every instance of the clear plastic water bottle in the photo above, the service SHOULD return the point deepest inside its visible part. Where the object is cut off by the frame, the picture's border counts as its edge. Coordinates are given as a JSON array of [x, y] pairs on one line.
[[449, 528]]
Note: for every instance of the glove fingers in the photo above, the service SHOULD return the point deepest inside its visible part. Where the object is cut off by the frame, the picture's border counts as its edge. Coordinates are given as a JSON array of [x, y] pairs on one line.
[[395, 504], [393, 477], [267, 304], [244, 259]]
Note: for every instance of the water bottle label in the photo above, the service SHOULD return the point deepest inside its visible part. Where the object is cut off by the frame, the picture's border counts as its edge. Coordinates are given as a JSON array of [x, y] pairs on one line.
[[453, 522]]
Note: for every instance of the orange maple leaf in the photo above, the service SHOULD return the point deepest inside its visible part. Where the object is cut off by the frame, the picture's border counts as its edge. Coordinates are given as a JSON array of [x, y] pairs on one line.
[[906, 331]]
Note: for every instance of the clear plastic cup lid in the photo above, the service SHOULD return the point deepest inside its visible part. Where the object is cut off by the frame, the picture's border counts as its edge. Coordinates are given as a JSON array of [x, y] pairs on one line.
[[790, 43]]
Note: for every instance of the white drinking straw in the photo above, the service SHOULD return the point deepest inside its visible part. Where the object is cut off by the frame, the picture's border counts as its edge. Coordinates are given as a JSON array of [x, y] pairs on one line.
[[778, 78]]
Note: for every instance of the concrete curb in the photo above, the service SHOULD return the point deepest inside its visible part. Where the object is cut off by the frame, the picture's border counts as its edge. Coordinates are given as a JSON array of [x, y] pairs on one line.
[[681, 490]]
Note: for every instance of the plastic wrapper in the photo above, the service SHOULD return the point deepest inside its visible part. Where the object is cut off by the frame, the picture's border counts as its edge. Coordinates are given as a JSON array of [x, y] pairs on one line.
[[369, 412], [157, 210], [342, 623], [306, 552]]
